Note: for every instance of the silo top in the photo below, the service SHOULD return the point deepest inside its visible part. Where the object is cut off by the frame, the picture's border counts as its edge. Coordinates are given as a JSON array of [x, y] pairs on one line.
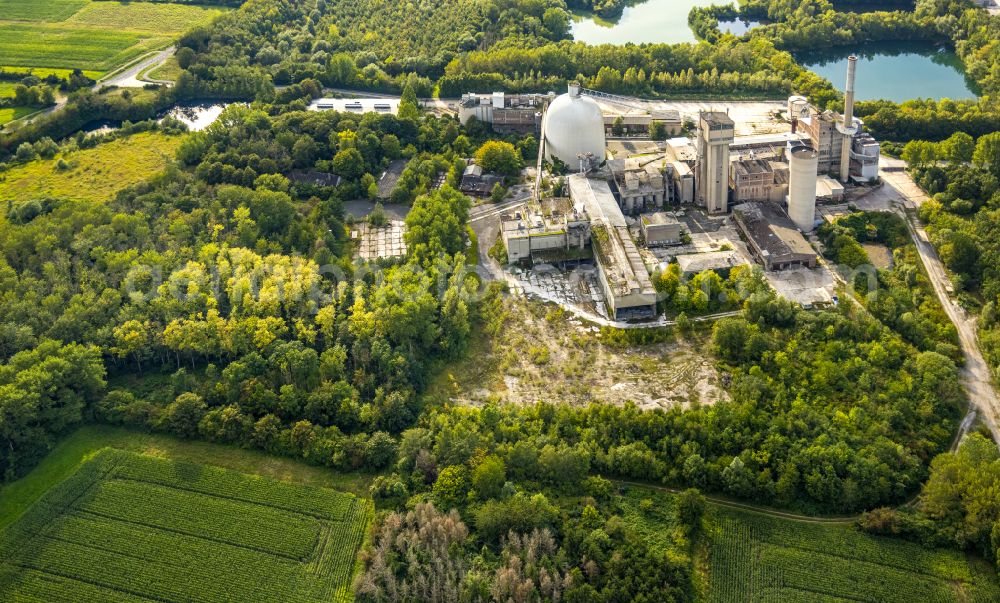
[[803, 152]]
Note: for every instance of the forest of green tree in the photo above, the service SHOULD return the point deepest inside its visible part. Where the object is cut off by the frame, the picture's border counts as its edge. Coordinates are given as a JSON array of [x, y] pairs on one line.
[[219, 299]]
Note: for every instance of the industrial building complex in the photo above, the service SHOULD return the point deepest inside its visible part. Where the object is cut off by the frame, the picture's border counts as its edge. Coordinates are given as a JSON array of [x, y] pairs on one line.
[[618, 209]]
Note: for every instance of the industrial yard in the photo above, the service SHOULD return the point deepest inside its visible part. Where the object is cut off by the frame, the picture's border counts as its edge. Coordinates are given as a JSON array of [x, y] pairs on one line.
[[650, 184]]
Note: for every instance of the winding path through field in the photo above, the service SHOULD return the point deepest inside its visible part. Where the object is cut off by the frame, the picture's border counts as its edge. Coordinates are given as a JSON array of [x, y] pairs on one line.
[[905, 197], [128, 77], [724, 502]]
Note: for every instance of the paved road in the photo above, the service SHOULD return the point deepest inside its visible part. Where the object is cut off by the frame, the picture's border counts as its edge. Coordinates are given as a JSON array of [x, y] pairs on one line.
[[976, 376], [129, 77]]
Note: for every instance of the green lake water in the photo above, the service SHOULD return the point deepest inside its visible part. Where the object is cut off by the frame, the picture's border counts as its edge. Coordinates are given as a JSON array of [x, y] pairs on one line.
[[652, 21], [894, 71]]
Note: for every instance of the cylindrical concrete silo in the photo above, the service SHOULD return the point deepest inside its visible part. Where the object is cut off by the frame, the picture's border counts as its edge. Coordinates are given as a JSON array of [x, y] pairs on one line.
[[798, 106], [573, 125], [802, 165]]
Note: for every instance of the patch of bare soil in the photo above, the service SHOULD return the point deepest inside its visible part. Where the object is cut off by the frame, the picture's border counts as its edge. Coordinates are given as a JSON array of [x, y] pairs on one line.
[[543, 354]]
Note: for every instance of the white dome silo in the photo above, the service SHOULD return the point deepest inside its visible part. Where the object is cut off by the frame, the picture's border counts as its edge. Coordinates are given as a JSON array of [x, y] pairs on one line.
[[802, 164], [573, 126]]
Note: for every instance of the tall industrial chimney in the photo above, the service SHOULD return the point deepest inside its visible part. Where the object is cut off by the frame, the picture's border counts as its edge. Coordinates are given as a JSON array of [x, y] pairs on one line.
[[848, 126]]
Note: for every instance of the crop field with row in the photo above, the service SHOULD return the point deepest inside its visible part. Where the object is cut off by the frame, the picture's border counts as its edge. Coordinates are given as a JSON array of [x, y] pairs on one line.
[[126, 527], [33, 45], [95, 36], [759, 558]]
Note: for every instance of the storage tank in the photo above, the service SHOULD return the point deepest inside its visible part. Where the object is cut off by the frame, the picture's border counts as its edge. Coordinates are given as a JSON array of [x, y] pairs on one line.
[[573, 125], [798, 107], [802, 165]]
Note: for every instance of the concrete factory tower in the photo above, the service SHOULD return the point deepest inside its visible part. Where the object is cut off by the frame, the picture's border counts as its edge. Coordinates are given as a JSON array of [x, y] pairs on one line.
[[715, 134], [802, 164], [573, 127], [847, 127]]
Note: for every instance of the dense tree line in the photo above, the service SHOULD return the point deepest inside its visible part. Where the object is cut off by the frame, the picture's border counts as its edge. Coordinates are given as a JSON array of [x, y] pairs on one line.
[[708, 291], [963, 221], [784, 436], [899, 295], [242, 280], [85, 107], [478, 44], [586, 555], [958, 506], [46, 388], [928, 119]]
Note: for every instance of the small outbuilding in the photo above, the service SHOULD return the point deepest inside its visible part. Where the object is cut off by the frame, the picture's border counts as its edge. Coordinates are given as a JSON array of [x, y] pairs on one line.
[[478, 183], [660, 229]]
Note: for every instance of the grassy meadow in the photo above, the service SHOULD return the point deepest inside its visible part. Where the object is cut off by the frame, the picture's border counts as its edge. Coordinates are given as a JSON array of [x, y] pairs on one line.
[[127, 527], [154, 17], [91, 174], [11, 113], [61, 46]]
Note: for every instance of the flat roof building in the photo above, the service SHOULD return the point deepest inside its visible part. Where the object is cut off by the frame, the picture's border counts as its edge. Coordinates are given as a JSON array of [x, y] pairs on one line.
[[520, 113], [756, 180], [680, 182], [640, 122], [772, 237], [388, 106], [660, 229], [552, 231], [681, 149], [478, 183], [628, 290]]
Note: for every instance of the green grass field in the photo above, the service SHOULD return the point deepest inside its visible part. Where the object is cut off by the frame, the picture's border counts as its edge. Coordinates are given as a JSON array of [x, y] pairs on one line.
[[93, 174], [755, 557], [157, 18], [39, 10], [94, 36], [58, 46], [10, 114], [169, 70], [42, 72], [129, 527]]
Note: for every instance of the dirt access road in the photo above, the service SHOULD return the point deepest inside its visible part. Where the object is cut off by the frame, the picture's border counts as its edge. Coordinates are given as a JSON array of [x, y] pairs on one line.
[[905, 197]]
